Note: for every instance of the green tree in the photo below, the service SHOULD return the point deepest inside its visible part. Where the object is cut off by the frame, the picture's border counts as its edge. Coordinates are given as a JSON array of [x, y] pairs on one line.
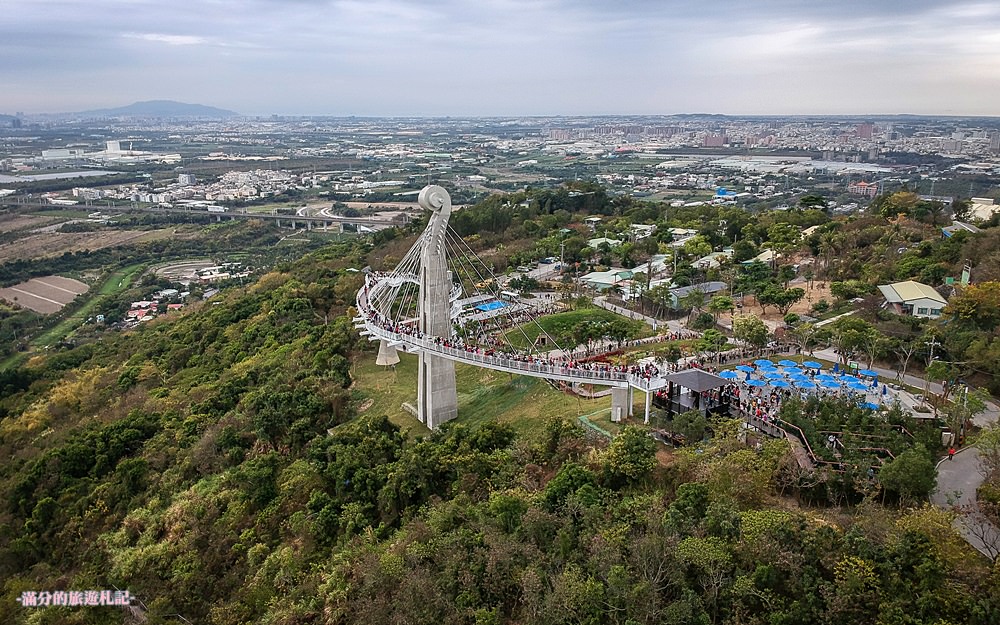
[[911, 476], [629, 458], [720, 304], [751, 329], [693, 301], [712, 341], [692, 425], [782, 299]]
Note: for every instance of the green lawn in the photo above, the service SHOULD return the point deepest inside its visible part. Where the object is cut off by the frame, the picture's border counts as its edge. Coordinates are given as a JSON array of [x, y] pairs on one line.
[[483, 396], [562, 324]]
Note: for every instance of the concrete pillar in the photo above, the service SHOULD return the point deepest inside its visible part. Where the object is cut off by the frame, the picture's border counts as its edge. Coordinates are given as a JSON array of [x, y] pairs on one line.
[[309, 226], [619, 403], [649, 400], [437, 397], [631, 400]]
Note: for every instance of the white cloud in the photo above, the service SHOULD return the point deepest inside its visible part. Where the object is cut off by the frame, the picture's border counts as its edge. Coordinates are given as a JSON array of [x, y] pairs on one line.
[[173, 40], [513, 56]]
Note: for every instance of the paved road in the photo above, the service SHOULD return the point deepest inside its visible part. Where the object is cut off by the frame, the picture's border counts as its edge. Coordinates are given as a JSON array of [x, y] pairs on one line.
[[957, 482], [674, 325]]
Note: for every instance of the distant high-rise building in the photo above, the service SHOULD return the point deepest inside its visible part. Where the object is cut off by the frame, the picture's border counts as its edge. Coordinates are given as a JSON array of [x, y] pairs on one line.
[[995, 142], [715, 141], [114, 147], [186, 179], [864, 131]]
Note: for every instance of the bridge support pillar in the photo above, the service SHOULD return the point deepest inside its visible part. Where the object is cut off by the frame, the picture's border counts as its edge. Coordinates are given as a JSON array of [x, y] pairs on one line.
[[309, 226], [620, 403], [649, 400], [437, 397]]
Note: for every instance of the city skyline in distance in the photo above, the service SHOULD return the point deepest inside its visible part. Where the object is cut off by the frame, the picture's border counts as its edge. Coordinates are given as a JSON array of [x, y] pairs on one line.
[[452, 58]]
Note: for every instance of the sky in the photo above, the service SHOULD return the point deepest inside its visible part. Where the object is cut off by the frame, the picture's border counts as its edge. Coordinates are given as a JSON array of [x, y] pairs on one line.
[[505, 57]]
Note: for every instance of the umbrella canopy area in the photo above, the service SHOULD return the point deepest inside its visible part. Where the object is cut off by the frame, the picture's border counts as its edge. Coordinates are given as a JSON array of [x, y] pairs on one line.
[[825, 377], [869, 405], [756, 383], [854, 386], [868, 373], [744, 368], [806, 384], [829, 384], [812, 364], [788, 363], [793, 370], [729, 375], [763, 362], [779, 384], [773, 375]]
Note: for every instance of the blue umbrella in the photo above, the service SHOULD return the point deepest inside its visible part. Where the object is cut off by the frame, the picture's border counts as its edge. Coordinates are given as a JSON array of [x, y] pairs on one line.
[[806, 384], [779, 384], [773, 375], [825, 377], [744, 368], [729, 375], [756, 383], [788, 363], [763, 362], [793, 370], [798, 377], [849, 378], [812, 364], [869, 405], [854, 386], [869, 373], [829, 384]]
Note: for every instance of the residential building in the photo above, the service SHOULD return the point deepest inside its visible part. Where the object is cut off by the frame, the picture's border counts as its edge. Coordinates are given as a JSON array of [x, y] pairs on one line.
[[913, 298], [867, 189]]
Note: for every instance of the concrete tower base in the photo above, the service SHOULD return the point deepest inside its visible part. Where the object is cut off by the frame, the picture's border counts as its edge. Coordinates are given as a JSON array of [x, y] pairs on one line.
[[437, 397]]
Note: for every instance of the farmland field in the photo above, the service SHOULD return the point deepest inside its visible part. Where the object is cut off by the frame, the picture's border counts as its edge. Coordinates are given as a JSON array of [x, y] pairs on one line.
[[44, 295], [11, 223], [56, 243]]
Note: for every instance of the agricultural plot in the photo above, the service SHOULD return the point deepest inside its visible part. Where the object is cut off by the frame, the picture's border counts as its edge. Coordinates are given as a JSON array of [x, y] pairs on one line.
[[44, 295], [56, 243]]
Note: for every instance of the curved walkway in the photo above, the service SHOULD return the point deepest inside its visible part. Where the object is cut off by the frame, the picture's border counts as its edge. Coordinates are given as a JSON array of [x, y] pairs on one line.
[[957, 482]]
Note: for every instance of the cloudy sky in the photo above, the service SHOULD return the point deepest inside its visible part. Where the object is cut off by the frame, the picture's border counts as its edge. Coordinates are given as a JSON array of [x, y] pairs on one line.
[[505, 57]]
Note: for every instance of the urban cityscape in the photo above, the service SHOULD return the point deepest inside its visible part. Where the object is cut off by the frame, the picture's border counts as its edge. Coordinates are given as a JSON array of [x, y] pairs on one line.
[[500, 313]]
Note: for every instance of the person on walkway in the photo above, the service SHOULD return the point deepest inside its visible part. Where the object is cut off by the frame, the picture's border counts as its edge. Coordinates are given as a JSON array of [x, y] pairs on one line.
[[951, 453]]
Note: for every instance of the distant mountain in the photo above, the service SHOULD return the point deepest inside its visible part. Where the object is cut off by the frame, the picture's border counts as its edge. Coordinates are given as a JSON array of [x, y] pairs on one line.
[[161, 108]]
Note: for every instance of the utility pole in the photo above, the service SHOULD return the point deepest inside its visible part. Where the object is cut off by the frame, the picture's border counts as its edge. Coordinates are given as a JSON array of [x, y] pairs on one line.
[[930, 360]]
